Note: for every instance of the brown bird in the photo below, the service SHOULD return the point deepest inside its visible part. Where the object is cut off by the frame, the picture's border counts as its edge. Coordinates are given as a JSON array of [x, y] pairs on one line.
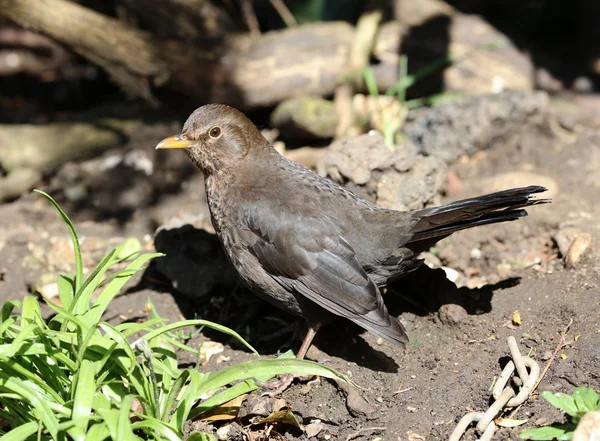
[[308, 245]]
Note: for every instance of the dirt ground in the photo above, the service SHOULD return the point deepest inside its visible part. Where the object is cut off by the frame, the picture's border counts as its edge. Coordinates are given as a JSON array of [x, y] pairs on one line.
[[453, 357]]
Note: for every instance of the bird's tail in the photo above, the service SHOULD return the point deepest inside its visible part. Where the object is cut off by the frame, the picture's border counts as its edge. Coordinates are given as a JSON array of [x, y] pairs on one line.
[[438, 222]]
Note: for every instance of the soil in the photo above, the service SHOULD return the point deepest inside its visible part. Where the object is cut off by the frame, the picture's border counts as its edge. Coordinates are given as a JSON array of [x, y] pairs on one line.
[[456, 352]]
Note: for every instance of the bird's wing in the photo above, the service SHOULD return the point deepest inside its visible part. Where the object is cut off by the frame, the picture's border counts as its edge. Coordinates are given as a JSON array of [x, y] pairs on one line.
[[309, 254]]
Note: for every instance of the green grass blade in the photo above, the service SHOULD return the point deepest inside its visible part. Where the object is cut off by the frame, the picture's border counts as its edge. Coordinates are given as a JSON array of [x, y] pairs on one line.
[[168, 404], [370, 82], [66, 290], [110, 418], [22, 432], [85, 388], [136, 377], [42, 410], [157, 426], [198, 322], [5, 326], [98, 432], [31, 311], [263, 369], [228, 394], [188, 399], [128, 329], [113, 288], [17, 370], [74, 239], [81, 301], [65, 317], [7, 309], [124, 431]]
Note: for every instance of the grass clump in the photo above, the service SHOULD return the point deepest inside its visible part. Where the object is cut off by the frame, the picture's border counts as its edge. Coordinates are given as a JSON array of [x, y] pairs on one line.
[[78, 377]]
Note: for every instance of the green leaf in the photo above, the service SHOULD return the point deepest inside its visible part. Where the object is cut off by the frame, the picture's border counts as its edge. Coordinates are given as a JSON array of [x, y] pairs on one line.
[[74, 239], [370, 81], [113, 288], [81, 301], [169, 403], [22, 432], [42, 410], [227, 395], [98, 432], [183, 323], [31, 311], [159, 427], [85, 388], [562, 401], [66, 290], [128, 248], [560, 432], [586, 399], [189, 397], [124, 430], [263, 369], [7, 309], [64, 317]]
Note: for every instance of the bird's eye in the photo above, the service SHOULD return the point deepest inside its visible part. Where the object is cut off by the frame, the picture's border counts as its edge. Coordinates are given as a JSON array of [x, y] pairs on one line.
[[215, 132]]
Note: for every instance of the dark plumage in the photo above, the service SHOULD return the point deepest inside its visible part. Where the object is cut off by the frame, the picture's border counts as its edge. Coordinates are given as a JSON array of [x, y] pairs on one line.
[[308, 245]]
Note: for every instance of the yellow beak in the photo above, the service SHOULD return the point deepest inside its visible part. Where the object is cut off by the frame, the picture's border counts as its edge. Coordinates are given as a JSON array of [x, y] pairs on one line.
[[174, 142]]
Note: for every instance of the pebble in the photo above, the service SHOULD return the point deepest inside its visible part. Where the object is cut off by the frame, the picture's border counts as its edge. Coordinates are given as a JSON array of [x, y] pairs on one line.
[[577, 249], [475, 253], [451, 314]]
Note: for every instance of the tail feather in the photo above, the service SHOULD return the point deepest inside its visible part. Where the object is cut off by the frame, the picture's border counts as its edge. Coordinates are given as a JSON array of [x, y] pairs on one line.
[[502, 206]]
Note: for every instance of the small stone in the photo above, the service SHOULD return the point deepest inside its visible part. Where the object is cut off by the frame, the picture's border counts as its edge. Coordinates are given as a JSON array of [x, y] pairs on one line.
[[451, 274], [475, 253], [577, 249], [313, 429], [452, 314]]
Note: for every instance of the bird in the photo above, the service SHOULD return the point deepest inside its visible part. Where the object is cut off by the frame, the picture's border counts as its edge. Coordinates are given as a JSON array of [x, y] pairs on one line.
[[308, 245]]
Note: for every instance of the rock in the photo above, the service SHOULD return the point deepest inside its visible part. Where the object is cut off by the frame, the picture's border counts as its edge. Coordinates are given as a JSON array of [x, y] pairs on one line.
[[483, 59], [588, 428], [230, 432], [451, 314], [452, 129], [577, 249], [17, 182], [313, 429], [400, 179], [195, 262], [418, 12], [305, 118], [43, 147]]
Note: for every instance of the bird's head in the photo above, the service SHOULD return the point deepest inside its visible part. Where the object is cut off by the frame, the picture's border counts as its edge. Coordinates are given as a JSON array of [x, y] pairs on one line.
[[217, 138]]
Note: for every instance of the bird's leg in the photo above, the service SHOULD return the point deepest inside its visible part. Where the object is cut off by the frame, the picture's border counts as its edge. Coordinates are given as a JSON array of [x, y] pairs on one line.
[[308, 338], [282, 383]]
